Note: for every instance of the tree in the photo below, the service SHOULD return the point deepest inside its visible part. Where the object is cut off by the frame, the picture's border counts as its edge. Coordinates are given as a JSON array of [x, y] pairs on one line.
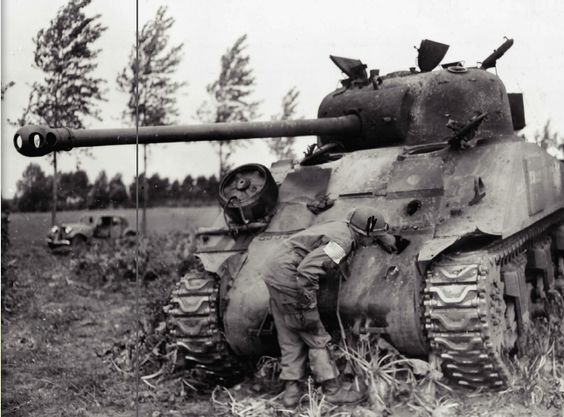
[[547, 139], [69, 92], [230, 97], [5, 87], [73, 190], [158, 189], [207, 188], [174, 192], [283, 147], [33, 189], [133, 190], [117, 192], [99, 194], [151, 81], [187, 188]]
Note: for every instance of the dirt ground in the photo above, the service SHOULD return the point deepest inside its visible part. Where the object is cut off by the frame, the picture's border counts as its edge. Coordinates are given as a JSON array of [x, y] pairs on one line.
[[69, 331], [68, 335]]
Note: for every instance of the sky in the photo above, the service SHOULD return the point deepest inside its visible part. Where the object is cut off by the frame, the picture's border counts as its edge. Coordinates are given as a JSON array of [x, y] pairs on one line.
[[289, 43]]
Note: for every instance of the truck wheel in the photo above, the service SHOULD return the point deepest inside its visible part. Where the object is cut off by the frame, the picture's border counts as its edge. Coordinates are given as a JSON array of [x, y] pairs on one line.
[[78, 243]]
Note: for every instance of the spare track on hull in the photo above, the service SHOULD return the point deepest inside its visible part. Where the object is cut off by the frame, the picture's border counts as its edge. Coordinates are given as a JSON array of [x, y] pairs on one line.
[[471, 327], [194, 322]]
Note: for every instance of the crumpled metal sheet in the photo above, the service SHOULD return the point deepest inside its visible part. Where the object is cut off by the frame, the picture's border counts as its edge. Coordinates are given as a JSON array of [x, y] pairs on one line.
[[305, 184]]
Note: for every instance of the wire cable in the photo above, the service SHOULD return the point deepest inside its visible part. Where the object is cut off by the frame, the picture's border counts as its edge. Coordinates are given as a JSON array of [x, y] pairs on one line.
[[137, 283]]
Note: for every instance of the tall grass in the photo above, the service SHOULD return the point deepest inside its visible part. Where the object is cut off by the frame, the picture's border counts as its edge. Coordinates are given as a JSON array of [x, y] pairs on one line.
[[415, 387], [391, 379], [538, 371]]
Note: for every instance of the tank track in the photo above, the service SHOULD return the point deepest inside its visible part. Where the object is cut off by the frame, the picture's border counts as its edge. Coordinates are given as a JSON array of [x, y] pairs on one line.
[[194, 322], [470, 327]]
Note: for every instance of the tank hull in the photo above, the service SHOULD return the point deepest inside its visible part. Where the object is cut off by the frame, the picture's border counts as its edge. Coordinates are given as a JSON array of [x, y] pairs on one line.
[[460, 195]]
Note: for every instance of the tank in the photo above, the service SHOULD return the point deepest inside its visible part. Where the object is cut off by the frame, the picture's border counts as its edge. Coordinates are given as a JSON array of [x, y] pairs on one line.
[[477, 213]]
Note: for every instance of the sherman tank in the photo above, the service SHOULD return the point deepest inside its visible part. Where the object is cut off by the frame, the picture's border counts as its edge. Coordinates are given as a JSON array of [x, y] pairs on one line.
[[477, 212]]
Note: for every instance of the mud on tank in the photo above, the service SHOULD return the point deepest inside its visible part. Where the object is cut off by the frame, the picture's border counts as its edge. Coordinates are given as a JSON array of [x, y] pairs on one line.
[[479, 212]]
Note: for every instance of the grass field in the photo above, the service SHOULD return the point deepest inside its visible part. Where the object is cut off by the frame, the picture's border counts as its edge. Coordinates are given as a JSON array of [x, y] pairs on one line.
[[162, 220]]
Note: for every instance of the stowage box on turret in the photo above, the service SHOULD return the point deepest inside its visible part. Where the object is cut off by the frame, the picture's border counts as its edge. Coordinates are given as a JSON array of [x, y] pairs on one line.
[[478, 209]]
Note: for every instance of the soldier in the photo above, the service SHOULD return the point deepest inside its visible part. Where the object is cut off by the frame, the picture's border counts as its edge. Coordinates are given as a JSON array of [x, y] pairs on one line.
[[292, 277]]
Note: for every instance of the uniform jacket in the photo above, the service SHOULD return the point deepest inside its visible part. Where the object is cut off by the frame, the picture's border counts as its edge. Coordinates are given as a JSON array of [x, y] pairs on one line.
[[300, 260]]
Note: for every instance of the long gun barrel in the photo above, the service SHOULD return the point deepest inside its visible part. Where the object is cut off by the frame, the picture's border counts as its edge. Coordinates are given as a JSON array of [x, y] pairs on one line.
[[32, 140]]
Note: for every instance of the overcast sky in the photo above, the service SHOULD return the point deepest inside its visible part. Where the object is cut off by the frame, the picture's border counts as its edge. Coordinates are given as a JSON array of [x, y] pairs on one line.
[[289, 43]]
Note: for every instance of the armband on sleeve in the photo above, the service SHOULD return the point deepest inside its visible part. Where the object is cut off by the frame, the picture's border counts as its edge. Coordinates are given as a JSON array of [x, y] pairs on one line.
[[335, 252]]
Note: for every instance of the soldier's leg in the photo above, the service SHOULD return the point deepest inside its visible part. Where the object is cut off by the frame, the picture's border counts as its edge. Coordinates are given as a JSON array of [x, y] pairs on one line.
[[317, 339], [292, 348], [324, 369]]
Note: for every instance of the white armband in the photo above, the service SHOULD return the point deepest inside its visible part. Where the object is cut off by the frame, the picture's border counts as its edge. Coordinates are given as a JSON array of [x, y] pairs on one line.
[[335, 252]]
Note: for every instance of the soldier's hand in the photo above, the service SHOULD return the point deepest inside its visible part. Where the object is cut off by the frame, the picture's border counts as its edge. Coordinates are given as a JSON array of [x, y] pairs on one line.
[[388, 243], [390, 248], [330, 267], [307, 299]]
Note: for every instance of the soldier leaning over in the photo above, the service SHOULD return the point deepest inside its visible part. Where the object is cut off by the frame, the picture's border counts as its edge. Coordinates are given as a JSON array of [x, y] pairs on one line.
[[292, 278]]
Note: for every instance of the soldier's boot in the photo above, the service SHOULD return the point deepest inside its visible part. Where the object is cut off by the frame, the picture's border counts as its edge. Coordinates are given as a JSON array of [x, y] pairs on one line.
[[293, 391], [341, 394]]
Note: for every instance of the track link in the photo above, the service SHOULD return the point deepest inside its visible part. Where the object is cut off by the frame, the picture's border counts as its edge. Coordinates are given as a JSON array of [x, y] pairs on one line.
[[465, 319], [194, 322], [471, 327]]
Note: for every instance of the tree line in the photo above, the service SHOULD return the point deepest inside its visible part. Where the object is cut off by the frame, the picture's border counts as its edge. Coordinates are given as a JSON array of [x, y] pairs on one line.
[[76, 192]]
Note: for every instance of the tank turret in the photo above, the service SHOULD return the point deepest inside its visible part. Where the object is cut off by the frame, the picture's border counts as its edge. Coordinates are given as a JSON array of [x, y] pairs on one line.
[[478, 214]]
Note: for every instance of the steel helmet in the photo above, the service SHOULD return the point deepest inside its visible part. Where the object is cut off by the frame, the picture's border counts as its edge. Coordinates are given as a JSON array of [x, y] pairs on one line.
[[366, 220]]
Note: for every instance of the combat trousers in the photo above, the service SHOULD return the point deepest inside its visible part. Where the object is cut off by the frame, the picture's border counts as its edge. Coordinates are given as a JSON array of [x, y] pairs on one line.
[[301, 336]]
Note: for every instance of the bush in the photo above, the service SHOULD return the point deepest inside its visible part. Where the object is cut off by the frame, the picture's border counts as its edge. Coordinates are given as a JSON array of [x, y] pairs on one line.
[[114, 263]]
